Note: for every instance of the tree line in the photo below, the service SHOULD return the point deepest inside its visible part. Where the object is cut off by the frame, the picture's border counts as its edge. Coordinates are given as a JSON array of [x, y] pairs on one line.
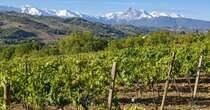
[[87, 42]]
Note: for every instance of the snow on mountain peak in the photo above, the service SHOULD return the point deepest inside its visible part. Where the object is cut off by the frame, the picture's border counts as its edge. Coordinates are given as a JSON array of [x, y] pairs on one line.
[[31, 10], [129, 14], [66, 13], [162, 14], [47, 12], [134, 14], [174, 15]]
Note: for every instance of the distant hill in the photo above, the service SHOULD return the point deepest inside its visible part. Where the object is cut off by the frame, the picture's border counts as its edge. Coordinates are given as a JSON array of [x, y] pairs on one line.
[[134, 30], [131, 16], [18, 26]]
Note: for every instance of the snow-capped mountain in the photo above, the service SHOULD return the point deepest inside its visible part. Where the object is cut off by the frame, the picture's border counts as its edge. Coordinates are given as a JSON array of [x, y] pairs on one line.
[[162, 14], [133, 14], [33, 11], [49, 12], [130, 16], [67, 14], [142, 18]]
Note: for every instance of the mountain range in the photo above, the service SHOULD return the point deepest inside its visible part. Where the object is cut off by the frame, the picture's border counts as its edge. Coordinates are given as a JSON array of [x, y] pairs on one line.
[[19, 27], [29, 23], [131, 16]]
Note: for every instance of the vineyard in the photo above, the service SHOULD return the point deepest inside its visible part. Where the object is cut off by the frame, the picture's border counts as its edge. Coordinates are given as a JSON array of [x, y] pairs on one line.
[[98, 55], [83, 80]]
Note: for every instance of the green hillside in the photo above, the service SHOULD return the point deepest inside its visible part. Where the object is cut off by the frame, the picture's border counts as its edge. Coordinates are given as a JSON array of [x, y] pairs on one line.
[[18, 27]]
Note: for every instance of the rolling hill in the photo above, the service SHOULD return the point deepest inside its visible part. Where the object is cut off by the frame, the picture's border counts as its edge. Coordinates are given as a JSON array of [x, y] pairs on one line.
[[18, 26], [31, 23]]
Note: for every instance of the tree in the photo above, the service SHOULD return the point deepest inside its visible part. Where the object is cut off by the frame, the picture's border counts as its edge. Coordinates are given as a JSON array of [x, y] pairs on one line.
[[27, 48], [127, 42], [139, 41], [115, 44], [49, 51], [81, 42], [7, 53]]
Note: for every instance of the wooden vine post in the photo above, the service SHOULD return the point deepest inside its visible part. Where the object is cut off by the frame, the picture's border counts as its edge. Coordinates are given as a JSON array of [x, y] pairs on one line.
[[167, 81], [112, 84], [7, 97], [197, 76]]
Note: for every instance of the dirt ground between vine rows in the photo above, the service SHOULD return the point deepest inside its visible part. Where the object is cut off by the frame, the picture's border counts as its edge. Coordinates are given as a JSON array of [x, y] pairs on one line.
[[179, 96]]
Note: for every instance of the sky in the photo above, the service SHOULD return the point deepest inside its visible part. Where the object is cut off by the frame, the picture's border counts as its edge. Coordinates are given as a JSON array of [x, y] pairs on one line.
[[197, 9]]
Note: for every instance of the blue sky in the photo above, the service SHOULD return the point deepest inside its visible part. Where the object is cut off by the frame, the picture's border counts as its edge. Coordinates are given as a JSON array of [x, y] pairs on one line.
[[199, 9]]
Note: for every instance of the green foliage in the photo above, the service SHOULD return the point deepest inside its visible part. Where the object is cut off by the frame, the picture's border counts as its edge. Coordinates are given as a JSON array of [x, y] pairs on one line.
[[15, 33], [156, 38], [19, 50], [27, 48], [7, 53], [17, 26], [49, 51], [133, 108], [83, 42], [208, 34], [82, 79], [128, 42]]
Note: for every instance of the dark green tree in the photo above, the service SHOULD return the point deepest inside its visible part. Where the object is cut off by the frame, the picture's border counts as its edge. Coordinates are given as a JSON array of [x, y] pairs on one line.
[[81, 42], [7, 53]]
